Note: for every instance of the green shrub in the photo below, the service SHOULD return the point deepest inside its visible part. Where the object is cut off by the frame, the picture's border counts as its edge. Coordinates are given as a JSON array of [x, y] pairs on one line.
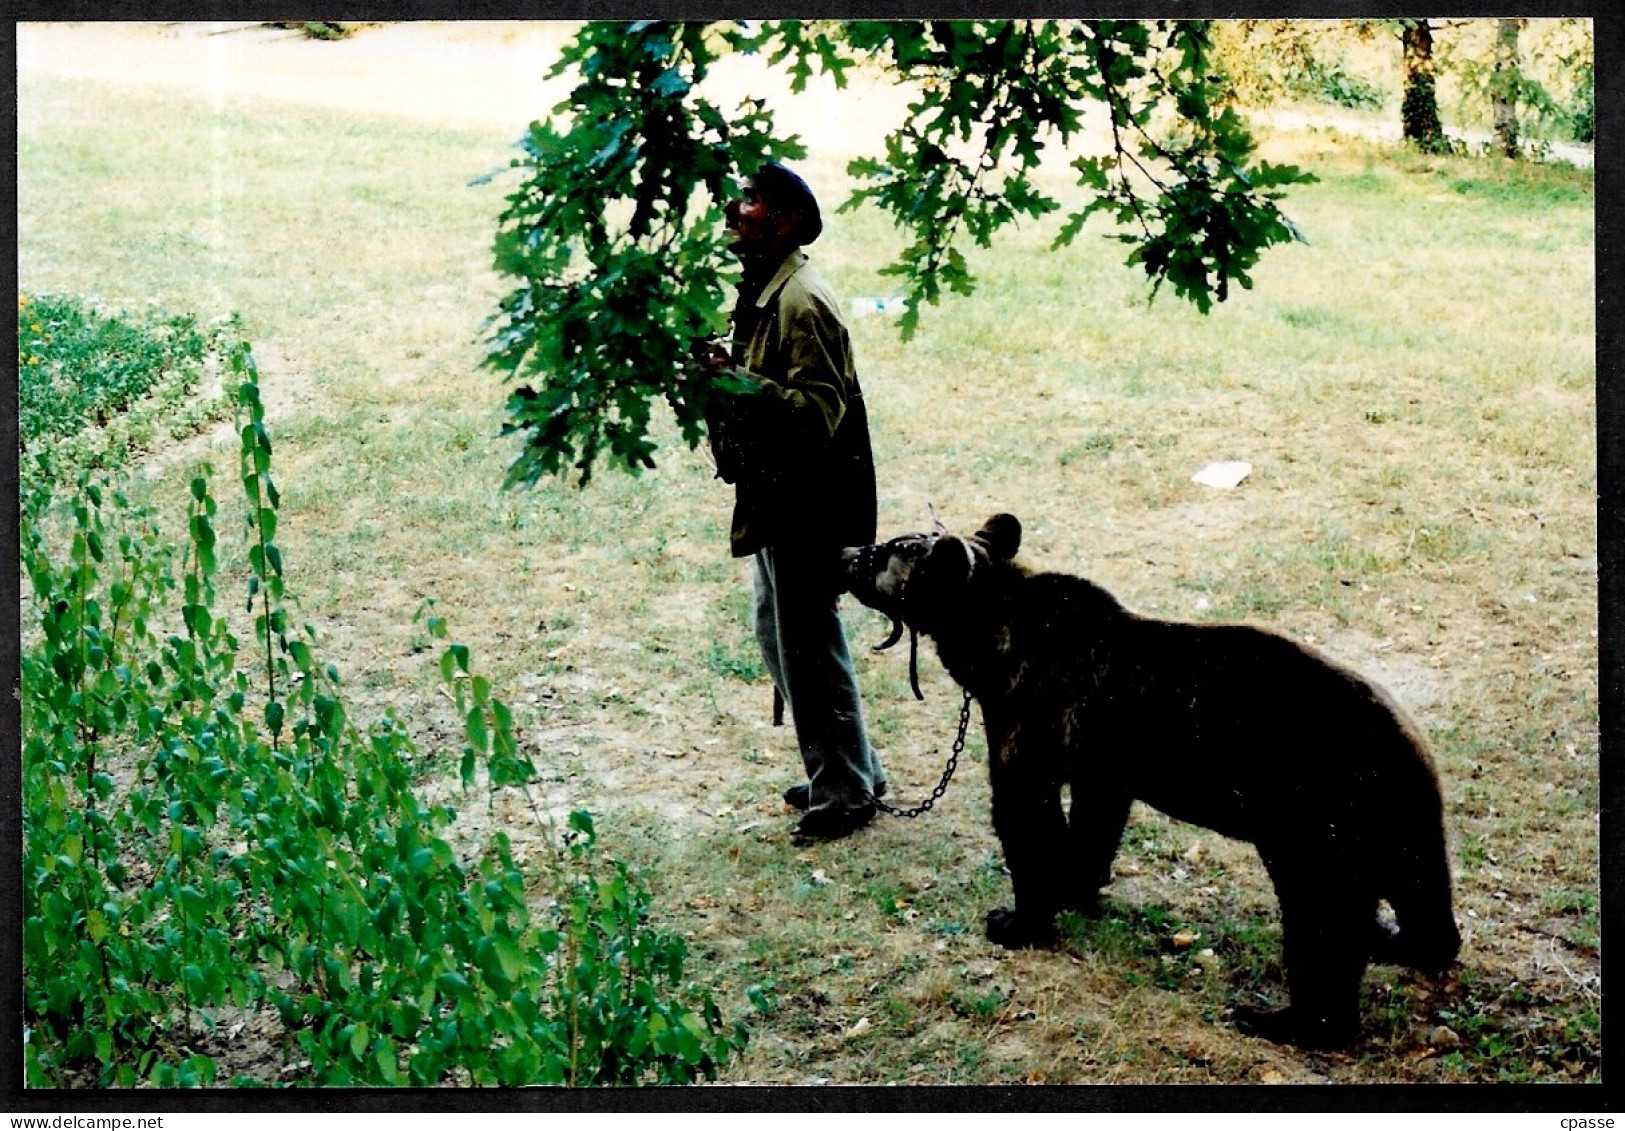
[[1330, 83], [206, 829], [1581, 110], [93, 386], [79, 367], [326, 30]]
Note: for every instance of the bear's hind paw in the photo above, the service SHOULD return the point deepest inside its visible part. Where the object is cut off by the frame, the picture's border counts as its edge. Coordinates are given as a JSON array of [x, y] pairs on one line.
[[1286, 1027], [1087, 904], [1010, 928]]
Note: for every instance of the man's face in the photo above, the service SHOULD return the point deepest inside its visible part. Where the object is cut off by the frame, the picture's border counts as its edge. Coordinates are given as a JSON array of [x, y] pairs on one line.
[[754, 229]]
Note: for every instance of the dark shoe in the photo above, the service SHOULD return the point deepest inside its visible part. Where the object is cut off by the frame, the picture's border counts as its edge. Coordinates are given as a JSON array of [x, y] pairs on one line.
[[800, 796], [832, 824]]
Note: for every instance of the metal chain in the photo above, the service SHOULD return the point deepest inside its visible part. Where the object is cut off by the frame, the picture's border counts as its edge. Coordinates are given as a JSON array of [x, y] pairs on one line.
[[947, 774]]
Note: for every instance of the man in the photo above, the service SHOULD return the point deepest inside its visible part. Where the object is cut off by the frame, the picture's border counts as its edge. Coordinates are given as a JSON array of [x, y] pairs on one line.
[[795, 446]]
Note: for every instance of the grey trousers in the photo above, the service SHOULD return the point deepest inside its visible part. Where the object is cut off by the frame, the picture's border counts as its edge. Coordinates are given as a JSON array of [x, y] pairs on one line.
[[805, 648]]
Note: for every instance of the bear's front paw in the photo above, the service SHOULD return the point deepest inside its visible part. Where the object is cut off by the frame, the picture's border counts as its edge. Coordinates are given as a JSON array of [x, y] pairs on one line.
[[1011, 929]]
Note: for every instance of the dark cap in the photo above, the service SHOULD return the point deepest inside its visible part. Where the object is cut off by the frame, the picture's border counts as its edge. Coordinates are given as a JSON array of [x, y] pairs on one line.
[[785, 192]]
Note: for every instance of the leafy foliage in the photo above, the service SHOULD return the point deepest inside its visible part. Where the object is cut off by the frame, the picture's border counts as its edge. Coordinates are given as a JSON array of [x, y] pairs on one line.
[[613, 234], [1265, 61], [204, 840], [92, 385], [325, 30], [1196, 215], [619, 263], [1549, 79], [1582, 105]]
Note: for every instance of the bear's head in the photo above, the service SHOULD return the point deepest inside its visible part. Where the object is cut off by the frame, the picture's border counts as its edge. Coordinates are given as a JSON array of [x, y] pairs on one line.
[[921, 579]]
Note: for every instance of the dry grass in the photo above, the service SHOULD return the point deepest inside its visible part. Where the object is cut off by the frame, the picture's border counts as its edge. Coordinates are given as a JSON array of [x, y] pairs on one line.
[[1414, 389]]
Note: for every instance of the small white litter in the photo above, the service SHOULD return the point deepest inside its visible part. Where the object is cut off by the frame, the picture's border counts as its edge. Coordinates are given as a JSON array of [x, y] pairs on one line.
[[878, 304], [1225, 475]]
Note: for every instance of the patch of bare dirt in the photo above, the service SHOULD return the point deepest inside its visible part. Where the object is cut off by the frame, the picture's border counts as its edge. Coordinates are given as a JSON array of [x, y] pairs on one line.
[[1387, 131], [285, 388], [453, 73], [474, 73]]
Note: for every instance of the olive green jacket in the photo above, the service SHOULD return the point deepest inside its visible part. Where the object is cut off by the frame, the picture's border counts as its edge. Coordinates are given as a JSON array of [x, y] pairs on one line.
[[796, 448]]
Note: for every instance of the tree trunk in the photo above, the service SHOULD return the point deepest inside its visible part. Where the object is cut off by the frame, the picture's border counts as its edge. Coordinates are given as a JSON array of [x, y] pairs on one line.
[[1420, 111], [1504, 87]]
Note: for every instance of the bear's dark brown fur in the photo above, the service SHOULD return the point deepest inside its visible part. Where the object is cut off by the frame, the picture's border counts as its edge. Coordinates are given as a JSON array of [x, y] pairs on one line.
[[1226, 726]]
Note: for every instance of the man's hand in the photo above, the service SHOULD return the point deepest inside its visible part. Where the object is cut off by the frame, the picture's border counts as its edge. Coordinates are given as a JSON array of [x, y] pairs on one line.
[[712, 354], [716, 358]]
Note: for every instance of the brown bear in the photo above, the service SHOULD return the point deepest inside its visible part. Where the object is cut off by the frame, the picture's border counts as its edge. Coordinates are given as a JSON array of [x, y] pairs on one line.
[[1229, 727]]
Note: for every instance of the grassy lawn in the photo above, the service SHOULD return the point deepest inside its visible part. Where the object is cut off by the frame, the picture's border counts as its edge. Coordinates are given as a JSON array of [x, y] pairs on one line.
[[1414, 389]]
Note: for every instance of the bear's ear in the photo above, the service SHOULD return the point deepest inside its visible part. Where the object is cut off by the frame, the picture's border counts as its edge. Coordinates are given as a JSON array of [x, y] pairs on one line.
[[1001, 534]]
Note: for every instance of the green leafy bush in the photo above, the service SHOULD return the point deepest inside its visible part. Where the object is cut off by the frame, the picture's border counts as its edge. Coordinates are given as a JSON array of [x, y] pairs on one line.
[[1582, 108], [208, 833], [92, 386], [328, 31], [1332, 83]]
